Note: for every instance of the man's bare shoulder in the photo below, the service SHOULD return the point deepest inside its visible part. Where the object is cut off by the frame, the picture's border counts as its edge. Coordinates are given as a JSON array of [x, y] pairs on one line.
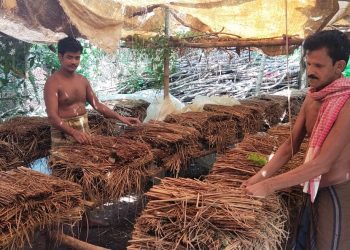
[[80, 77], [52, 79]]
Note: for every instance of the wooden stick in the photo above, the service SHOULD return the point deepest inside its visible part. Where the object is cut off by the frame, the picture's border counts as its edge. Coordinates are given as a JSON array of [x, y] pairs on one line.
[[175, 42], [74, 243]]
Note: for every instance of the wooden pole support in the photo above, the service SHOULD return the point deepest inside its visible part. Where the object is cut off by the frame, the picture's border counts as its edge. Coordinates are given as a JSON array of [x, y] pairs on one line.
[[73, 242]]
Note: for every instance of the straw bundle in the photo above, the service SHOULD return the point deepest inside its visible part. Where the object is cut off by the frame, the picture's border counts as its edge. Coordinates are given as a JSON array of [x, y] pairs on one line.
[[190, 214], [30, 200], [233, 168], [132, 108], [99, 125], [217, 130], [29, 137], [174, 144], [107, 169], [261, 143], [272, 111], [8, 158], [250, 120]]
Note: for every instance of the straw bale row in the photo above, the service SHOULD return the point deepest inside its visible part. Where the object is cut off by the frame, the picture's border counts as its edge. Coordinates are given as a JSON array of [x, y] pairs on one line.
[[107, 169], [191, 214], [29, 137], [250, 119], [30, 200], [172, 144], [217, 130]]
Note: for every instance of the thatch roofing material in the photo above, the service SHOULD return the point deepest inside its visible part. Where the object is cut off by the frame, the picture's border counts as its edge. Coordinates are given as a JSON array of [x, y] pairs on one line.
[[30, 200]]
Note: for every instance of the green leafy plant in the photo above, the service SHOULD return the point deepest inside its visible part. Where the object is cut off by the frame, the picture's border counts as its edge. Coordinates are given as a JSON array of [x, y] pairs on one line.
[[257, 159], [152, 58]]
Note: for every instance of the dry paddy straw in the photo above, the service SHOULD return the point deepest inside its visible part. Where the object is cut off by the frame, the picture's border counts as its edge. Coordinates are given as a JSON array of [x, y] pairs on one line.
[[272, 111], [8, 158], [218, 130], [99, 125], [190, 214], [250, 120], [30, 200], [174, 144], [107, 169], [28, 136]]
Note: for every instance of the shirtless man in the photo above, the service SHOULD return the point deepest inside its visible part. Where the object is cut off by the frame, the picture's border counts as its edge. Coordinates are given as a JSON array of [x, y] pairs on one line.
[[326, 56], [66, 93]]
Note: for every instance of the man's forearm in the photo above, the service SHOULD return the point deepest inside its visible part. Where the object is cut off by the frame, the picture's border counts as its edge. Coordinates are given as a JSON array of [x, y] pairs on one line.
[[59, 124], [296, 176], [280, 158]]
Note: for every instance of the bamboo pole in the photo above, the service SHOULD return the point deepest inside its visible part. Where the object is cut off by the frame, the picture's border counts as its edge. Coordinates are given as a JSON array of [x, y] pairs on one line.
[[266, 42], [166, 54]]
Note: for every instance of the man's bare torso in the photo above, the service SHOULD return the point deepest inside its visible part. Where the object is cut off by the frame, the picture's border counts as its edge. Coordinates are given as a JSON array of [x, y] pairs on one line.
[[71, 93], [340, 171]]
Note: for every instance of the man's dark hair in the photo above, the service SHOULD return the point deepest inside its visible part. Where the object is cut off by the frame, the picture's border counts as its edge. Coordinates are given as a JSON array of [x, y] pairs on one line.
[[335, 41], [69, 44]]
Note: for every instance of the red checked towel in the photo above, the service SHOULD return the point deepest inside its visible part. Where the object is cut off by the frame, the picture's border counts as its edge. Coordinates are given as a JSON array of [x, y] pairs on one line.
[[332, 98]]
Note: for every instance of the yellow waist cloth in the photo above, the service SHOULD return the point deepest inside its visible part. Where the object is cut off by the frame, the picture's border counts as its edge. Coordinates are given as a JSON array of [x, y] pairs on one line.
[[59, 138]]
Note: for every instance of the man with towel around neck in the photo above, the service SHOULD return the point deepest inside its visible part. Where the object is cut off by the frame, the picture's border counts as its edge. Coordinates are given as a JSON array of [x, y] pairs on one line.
[[66, 93], [325, 117]]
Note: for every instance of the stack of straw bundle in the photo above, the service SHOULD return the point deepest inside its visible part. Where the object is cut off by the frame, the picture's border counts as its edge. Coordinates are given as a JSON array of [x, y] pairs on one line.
[[190, 214], [30, 200], [271, 110], [99, 125], [132, 108], [107, 169], [173, 144], [29, 137], [8, 158], [217, 130], [250, 119]]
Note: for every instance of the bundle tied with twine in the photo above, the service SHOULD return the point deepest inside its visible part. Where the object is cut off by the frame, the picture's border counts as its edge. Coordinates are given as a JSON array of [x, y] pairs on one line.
[[191, 214], [107, 169], [30, 200], [29, 137], [272, 108], [172, 144], [217, 130], [99, 125], [250, 119], [132, 108]]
